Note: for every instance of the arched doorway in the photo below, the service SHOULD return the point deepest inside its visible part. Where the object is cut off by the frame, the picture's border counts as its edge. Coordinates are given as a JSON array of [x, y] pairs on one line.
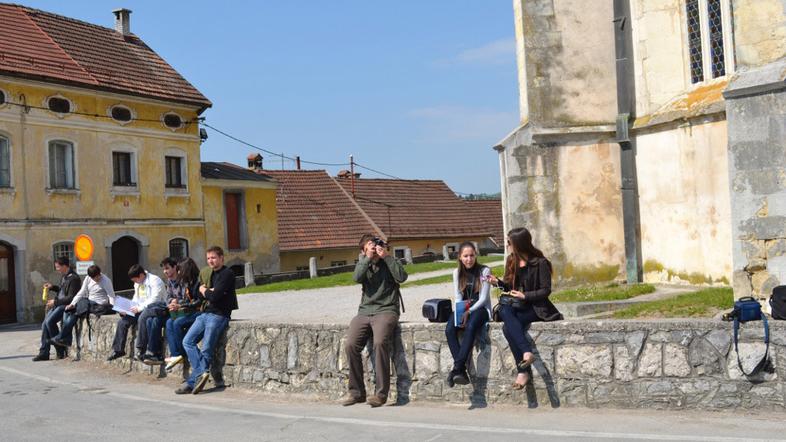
[[125, 253], [7, 288]]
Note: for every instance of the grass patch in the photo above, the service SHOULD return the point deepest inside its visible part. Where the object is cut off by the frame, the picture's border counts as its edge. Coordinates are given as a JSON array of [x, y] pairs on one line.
[[610, 292], [344, 279], [701, 304]]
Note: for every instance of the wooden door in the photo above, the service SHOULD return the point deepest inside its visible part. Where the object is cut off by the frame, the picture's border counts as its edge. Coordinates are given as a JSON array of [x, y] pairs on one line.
[[125, 253], [232, 204], [7, 289]]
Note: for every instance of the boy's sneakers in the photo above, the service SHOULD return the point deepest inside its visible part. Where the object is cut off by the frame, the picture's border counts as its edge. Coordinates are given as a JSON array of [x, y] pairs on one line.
[[172, 361], [184, 389], [115, 355], [200, 382], [41, 357]]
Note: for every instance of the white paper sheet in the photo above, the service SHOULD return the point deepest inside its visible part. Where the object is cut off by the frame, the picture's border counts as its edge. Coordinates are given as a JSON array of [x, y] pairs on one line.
[[123, 305]]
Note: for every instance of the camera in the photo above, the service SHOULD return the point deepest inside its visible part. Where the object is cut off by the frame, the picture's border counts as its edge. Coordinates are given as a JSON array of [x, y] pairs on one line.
[[377, 241]]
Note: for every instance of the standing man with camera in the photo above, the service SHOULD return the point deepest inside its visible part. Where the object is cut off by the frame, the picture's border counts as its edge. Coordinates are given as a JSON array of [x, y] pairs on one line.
[[380, 274]]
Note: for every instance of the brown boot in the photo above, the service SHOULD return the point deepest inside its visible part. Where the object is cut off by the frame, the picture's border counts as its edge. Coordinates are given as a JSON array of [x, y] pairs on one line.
[[376, 401], [351, 400]]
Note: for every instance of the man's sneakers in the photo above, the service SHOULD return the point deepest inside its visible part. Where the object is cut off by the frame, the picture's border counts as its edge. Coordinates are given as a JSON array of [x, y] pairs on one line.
[[115, 355], [352, 400], [376, 401], [461, 378], [171, 362], [41, 357], [184, 389], [153, 360], [200, 382], [61, 353], [57, 342]]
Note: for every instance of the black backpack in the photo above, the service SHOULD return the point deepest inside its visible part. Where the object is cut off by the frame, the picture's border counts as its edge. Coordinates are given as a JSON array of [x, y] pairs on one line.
[[778, 302]]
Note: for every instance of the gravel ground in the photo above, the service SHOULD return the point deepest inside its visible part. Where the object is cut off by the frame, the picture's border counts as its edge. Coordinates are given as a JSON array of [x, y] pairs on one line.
[[334, 305], [328, 305]]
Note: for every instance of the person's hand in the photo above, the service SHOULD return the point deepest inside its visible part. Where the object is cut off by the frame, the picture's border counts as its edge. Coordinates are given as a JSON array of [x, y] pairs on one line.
[[492, 279], [134, 309], [50, 303], [517, 294], [47, 285], [202, 289], [70, 307], [380, 251], [368, 250], [464, 318]]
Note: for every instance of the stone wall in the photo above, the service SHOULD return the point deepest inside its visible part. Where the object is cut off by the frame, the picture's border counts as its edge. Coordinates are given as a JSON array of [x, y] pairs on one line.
[[670, 364]]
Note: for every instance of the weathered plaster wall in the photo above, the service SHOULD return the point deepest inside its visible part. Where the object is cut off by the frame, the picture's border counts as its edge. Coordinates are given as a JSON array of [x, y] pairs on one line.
[[684, 202], [261, 226], [675, 364], [557, 191], [659, 50], [569, 77], [759, 31]]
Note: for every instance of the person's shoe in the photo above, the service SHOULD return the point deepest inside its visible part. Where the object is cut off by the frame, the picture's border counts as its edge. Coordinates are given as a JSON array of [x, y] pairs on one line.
[[115, 355], [461, 378], [352, 400], [58, 342], [526, 362], [41, 357], [140, 356], [184, 389], [376, 401], [449, 380], [153, 360], [171, 362], [61, 353], [200, 382]]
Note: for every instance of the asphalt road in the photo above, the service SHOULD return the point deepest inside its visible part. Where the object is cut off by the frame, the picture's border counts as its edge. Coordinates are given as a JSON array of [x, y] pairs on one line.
[[66, 400]]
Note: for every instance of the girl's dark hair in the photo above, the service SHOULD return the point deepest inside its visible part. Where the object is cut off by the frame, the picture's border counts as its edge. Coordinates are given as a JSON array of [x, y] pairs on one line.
[[521, 240], [187, 272], [463, 272]]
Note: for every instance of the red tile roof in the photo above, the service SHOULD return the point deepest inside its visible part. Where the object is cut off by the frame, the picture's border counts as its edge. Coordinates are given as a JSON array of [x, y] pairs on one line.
[[411, 209], [488, 213], [315, 213], [41, 45]]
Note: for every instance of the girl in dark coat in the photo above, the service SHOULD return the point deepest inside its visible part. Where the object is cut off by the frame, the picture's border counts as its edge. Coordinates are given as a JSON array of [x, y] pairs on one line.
[[527, 286]]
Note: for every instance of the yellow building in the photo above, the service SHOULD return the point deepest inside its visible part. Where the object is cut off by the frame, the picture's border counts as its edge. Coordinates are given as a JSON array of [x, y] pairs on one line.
[[99, 135], [240, 215]]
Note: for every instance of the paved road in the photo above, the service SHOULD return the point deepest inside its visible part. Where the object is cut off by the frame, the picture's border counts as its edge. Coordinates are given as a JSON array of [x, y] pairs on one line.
[[66, 400]]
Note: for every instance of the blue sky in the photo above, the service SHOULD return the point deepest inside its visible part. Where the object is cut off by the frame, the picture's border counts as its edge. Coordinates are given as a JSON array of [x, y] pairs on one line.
[[416, 89]]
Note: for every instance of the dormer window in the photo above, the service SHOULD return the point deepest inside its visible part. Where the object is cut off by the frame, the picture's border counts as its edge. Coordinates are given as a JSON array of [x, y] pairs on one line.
[[121, 114], [59, 105], [173, 121]]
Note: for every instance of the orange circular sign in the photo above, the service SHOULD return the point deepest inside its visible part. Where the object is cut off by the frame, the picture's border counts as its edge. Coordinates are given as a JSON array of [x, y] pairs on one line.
[[83, 248]]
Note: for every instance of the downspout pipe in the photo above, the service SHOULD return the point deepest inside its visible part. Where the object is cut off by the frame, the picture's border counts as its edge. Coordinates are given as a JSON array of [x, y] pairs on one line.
[[626, 114]]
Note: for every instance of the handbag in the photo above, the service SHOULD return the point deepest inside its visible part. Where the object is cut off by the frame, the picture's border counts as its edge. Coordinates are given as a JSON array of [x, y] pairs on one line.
[[748, 309], [437, 310], [778, 302]]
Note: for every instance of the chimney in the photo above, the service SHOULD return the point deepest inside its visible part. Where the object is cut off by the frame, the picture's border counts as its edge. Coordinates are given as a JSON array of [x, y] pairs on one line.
[[122, 20], [255, 162]]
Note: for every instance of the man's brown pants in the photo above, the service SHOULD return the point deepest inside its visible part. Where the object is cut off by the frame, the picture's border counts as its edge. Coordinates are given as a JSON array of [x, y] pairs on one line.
[[381, 327]]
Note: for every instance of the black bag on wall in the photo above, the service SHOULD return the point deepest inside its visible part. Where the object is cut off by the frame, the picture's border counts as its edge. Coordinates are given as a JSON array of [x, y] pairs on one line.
[[437, 310], [778, 302]]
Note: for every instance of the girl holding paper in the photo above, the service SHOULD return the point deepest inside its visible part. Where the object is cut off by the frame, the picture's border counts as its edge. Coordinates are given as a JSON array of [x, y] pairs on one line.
[[472, 302]]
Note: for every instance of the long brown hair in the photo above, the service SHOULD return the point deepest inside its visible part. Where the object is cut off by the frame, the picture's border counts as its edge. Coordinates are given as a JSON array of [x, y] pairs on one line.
[[464, 272], [521, 240]]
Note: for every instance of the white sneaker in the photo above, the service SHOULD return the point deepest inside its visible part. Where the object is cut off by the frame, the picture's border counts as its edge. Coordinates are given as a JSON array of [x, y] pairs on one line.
[[171, 362]]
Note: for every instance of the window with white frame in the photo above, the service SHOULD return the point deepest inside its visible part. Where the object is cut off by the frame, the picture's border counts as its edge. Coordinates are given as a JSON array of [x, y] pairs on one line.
[[178, 248], [710, 41], [61, 165], [5, 163], [65, 249], [123, 169]]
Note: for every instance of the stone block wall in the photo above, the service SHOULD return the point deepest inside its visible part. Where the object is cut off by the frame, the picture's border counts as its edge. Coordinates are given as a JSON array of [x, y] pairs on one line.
[[670, 364]]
